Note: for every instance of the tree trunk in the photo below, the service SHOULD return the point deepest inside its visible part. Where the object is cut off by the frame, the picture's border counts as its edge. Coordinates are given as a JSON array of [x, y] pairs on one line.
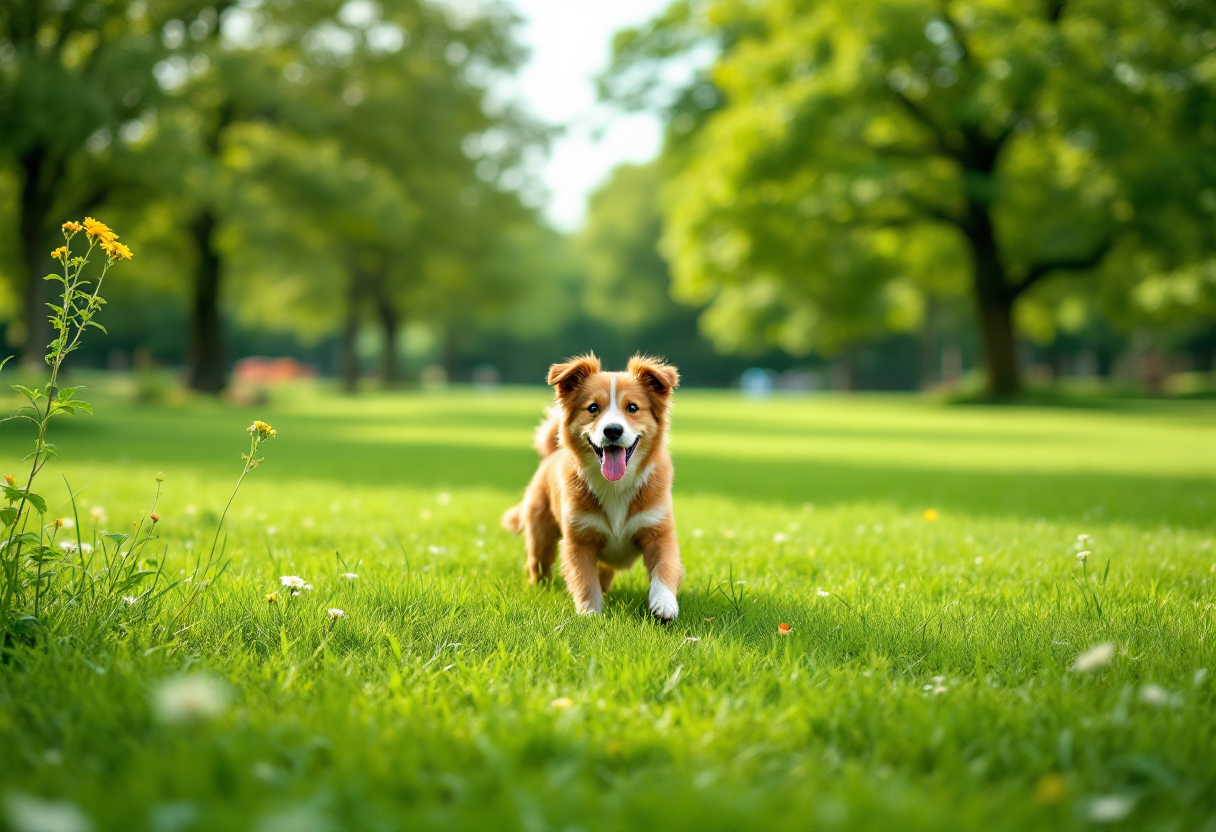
[[348, 344], [1000, 353], [207, 368], [35, 255], [994, 298], [390, 320]]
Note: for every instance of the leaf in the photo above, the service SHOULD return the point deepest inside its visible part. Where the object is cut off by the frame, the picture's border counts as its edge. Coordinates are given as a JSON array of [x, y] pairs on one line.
[[36, 501], [32, 395], [66, 393], [8, 516]]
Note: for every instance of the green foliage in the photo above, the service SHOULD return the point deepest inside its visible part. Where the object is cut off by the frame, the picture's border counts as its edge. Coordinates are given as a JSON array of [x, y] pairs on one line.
[[840, 161], [451, 695]]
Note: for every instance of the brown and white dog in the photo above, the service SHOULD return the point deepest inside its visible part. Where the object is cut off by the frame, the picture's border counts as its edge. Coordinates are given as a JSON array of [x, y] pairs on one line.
[[604, 483]]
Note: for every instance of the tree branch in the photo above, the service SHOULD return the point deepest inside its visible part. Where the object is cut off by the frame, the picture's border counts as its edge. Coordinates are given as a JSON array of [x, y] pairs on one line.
[[1040, 271], [920, 115]]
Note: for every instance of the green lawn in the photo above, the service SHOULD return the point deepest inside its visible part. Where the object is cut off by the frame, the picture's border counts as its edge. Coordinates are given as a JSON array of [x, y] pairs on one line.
[[453, 695]]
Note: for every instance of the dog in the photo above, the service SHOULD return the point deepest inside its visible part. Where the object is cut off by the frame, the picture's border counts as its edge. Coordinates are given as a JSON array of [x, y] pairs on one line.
[[603, 486]]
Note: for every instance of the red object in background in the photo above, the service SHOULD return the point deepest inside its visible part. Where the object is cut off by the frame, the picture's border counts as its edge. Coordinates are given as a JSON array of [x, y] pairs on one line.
[[257, 369]]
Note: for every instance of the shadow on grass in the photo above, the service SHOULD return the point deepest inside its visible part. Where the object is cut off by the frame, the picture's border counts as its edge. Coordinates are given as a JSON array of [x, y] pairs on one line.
[[310, 450]]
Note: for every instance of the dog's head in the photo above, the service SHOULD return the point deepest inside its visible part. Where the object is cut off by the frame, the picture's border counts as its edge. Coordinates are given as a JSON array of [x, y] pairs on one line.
[[610, 417]]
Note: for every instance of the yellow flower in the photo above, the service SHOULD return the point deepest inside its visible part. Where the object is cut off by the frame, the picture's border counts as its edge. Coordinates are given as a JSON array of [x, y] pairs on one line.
[[60, 253], [272, 597], [58, 523], [262, 430], [931, 514], [116, 250], [99, 230], [10, 479], [72, 227], [561, 703]]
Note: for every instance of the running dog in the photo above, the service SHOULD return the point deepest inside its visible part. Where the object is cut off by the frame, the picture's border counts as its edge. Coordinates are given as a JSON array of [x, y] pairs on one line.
[[603, 486]]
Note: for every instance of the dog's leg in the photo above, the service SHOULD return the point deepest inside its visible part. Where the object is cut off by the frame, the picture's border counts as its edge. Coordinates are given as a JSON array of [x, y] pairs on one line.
[[580, 570], [661, 554], [542, 534], [607, 573]]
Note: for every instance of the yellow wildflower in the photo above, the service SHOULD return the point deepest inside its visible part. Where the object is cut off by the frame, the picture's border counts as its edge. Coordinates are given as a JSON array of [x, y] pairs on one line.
[[10, 479], [262, 430], [99, 230], [116, 250], [60, 253], [59, 523], [71, 227], [272, 597], [931, 514]]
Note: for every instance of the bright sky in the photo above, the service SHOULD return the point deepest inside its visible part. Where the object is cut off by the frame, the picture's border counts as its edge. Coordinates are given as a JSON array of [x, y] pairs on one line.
[[571, 42]]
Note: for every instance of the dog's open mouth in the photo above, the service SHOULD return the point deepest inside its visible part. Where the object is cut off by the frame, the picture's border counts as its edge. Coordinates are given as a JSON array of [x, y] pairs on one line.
[[614, 459]]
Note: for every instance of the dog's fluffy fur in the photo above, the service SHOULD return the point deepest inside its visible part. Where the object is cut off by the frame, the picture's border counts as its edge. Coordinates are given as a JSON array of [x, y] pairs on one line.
[[603, 487]]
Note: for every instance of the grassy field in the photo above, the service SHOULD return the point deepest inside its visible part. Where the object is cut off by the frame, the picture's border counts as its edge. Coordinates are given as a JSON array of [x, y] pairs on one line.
[[923, 555]]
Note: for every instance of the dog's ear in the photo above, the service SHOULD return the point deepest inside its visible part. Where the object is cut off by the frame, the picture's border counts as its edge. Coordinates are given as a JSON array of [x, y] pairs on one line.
[[566, 377], [655, 373]]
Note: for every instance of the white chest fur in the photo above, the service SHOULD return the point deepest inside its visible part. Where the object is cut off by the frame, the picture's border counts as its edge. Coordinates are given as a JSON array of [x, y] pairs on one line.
[[613, 520]]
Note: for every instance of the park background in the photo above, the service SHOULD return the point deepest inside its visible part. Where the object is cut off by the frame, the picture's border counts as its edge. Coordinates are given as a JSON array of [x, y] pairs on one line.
[[972, 592], [885, 195]]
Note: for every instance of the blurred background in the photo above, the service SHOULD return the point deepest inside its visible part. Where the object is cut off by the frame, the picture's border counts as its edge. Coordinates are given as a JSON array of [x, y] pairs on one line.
[[982, 196]]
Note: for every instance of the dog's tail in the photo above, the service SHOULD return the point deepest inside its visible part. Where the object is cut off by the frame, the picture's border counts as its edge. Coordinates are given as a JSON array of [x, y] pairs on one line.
[[547, 438], [513, 519]]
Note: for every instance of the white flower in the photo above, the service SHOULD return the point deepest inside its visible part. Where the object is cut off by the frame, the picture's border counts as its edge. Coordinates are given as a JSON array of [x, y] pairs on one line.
[[98, 513], [87, 548], [195, 696], [337, 613], [823, 593], [130, 599], [68, 523], [698, 533], [308, 587], [350, 576], [1156, 695], [939, 690], [67, 546], [271, 531], [1083, 541], [33, 814], [444, 498], [1110, 808], [1096, 657], [292, 581], [1083, 556], [437, 550], [780, 537]]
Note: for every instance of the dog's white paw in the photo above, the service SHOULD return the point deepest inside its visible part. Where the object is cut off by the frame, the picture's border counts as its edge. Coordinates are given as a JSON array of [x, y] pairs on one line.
[[663, 601], [589, 611]]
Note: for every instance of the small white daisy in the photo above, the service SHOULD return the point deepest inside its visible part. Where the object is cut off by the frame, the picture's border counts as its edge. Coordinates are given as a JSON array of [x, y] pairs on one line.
[[1094, 658], [292, 581], [129, 599], [350, 576], [337, 613], [98, 513], [192, 697], [1083, 556]]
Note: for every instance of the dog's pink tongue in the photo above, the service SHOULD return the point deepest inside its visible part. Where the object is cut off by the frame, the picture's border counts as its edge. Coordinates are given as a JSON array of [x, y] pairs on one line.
[[613, 463]]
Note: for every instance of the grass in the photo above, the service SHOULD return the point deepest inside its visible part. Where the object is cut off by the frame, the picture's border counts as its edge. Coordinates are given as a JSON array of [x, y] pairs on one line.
[[452, 695]]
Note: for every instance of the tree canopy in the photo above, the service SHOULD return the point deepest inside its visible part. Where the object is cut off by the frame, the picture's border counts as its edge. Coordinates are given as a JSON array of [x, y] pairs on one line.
[[837, 162]]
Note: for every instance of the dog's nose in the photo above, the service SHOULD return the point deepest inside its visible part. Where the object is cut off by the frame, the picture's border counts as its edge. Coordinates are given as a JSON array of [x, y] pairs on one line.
[[613, 432]]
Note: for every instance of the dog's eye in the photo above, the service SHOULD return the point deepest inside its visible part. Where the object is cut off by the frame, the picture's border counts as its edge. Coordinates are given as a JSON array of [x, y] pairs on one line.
[[633, 408], [593, 408]]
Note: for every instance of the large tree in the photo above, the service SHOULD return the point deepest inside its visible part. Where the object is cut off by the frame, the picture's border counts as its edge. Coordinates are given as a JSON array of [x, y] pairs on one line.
[[75, 77], [837, 160]]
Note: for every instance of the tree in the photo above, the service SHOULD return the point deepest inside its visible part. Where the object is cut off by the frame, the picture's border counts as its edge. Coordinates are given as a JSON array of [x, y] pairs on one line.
[[838, 160], [74, 77]]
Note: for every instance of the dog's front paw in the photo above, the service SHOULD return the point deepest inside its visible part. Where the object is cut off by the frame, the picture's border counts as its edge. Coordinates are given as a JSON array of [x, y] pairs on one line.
[[663, 602]]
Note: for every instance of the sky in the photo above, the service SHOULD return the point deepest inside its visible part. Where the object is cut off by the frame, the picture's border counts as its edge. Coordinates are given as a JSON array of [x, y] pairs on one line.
[[570, 43]]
